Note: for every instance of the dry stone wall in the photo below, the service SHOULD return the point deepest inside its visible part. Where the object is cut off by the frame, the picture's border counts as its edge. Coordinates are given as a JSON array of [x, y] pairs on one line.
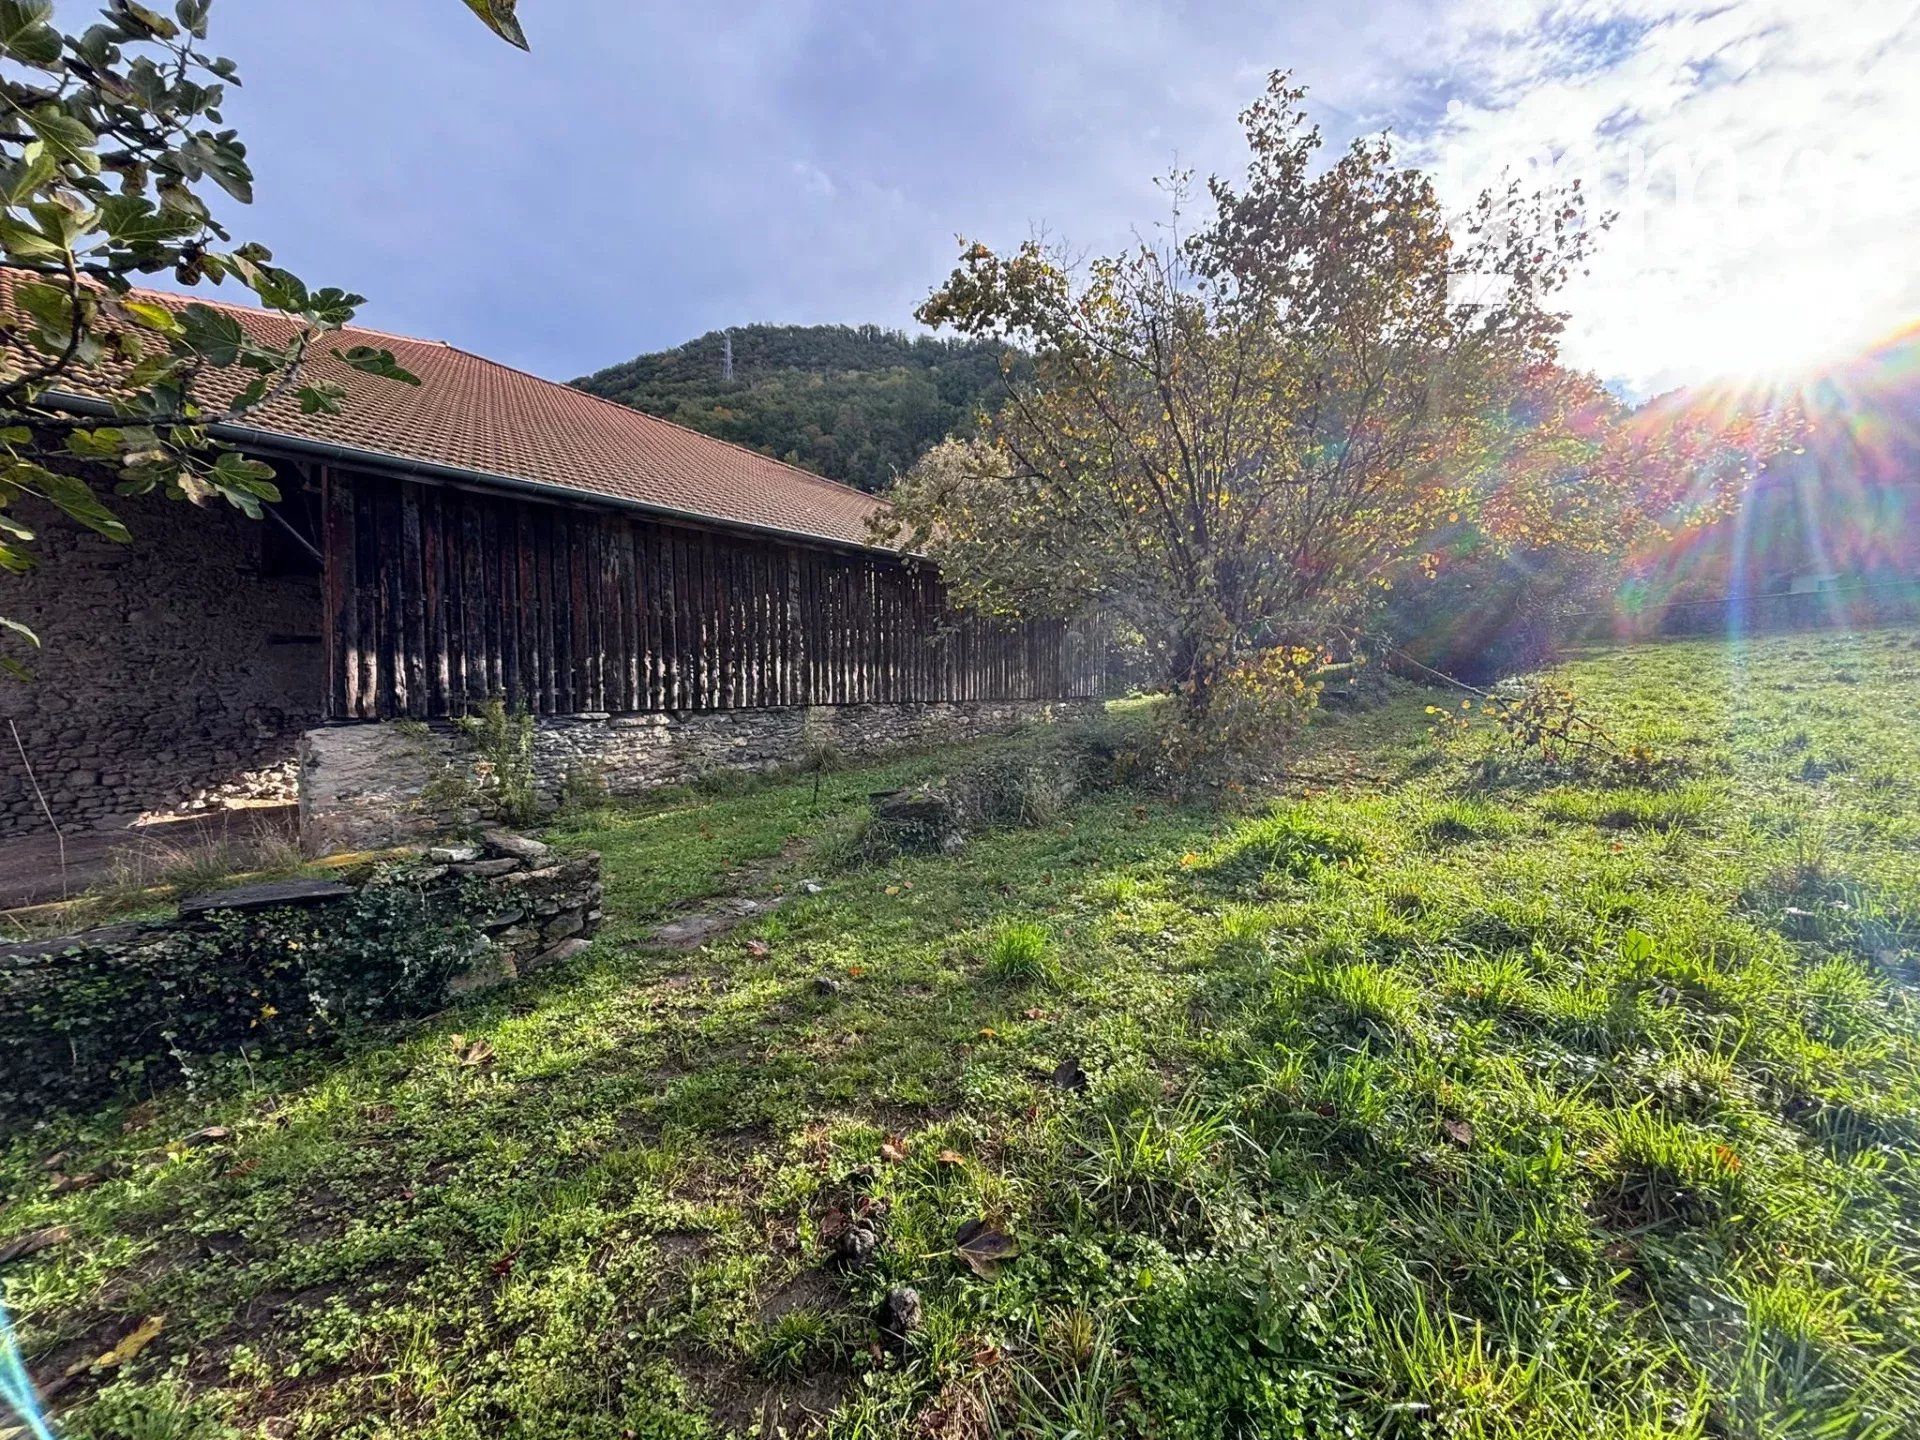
[[175, 675], [279, 964], [365, 785]]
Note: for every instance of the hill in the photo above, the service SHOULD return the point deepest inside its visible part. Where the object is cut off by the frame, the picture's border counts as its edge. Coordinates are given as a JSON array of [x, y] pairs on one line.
[[857, 403]]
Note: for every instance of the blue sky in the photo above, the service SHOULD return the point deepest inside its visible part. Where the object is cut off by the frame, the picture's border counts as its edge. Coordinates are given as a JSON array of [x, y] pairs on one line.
[[652, 170]]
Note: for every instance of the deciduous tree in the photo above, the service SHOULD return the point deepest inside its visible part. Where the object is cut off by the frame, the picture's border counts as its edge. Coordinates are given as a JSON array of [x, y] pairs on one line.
[[1234, 437]]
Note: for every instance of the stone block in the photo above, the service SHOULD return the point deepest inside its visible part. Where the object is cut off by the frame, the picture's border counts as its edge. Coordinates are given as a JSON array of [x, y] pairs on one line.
[[519, 847], [488, 869], [265, 896], [565, 950]]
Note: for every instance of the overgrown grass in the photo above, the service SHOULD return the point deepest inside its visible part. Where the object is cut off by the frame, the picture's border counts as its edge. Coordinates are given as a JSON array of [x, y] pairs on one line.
[[145, 876], [1482, 1100]]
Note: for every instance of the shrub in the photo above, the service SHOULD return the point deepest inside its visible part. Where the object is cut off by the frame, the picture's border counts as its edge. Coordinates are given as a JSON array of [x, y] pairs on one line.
[[1107, 751], [1259, 705], [1013, 791]]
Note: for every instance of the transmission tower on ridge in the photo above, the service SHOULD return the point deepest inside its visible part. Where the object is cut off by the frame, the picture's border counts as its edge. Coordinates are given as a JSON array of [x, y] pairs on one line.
[[726, 355]]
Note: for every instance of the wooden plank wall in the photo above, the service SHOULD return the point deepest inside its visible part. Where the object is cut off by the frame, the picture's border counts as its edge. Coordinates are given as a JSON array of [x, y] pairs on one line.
[[438, 598]]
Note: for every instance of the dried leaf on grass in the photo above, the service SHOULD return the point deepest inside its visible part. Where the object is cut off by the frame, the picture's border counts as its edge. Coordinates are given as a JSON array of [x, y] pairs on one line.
[[132, 1343], [984, 1248], [479, 1052], [34, 1242]]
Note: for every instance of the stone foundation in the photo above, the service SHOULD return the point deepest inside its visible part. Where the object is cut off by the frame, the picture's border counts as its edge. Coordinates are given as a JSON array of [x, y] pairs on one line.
[[367, 785]]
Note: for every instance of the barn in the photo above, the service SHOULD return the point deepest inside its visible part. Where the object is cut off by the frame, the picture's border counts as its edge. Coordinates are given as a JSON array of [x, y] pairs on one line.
[[662, 603]]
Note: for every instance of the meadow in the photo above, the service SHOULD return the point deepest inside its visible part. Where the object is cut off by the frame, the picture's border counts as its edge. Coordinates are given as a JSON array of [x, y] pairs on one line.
[[1447, 1093]]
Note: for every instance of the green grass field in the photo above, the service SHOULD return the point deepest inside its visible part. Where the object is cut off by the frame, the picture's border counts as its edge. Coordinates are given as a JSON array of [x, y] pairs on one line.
[[1428, 1099]]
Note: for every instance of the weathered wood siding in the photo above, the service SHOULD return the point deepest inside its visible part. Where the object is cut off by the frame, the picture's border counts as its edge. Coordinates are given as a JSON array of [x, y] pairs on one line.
[[438, 597]]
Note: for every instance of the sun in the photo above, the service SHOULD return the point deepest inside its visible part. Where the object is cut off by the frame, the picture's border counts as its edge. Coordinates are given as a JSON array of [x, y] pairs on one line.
[[1770, 343], [1775, 330]]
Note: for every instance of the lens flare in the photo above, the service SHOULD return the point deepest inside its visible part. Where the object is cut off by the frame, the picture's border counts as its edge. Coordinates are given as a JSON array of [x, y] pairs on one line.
[[17, 1399], [1829, 534]]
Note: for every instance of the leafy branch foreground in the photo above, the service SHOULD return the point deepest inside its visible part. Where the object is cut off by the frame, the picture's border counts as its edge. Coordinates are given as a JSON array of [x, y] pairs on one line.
[[115, 163], [1444, 1106]]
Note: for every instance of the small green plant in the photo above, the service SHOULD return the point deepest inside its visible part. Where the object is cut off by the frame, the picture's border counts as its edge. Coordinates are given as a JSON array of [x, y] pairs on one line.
[[1367, 999], [1210, 1355], [1022, 954], [1246, 931], [798, 1343], [1154, 1171], [502, 741], [161, 1411], [1072, 1388], [1654, 1172]]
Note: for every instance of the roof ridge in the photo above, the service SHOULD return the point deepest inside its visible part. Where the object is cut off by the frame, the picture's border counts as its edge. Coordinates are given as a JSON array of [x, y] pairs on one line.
[[626, 409]]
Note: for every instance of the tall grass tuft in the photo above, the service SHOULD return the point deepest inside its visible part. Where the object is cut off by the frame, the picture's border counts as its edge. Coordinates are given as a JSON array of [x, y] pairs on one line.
[[1022, 954]]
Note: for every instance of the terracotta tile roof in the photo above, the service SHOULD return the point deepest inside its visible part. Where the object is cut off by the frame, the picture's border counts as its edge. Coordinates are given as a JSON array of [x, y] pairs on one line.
[[477, 415]]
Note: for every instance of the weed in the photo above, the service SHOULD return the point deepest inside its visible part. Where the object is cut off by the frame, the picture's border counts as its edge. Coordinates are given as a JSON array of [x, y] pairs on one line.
[[797, 1343], [1455, 822], [1290, 843], [502, 741], [583, 789], [1655, 1172], [1022, 954], [1152, 1171]]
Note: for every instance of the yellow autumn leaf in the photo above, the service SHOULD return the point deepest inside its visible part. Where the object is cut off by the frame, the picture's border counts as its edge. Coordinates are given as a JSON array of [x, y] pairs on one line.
[[132, 1343]]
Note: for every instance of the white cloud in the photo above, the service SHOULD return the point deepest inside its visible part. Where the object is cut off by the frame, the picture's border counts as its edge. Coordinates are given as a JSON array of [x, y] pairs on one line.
[[1761, 157], [813, 180]]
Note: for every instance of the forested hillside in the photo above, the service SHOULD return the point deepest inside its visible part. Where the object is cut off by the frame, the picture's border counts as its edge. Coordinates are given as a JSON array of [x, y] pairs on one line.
[[855, 402]]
